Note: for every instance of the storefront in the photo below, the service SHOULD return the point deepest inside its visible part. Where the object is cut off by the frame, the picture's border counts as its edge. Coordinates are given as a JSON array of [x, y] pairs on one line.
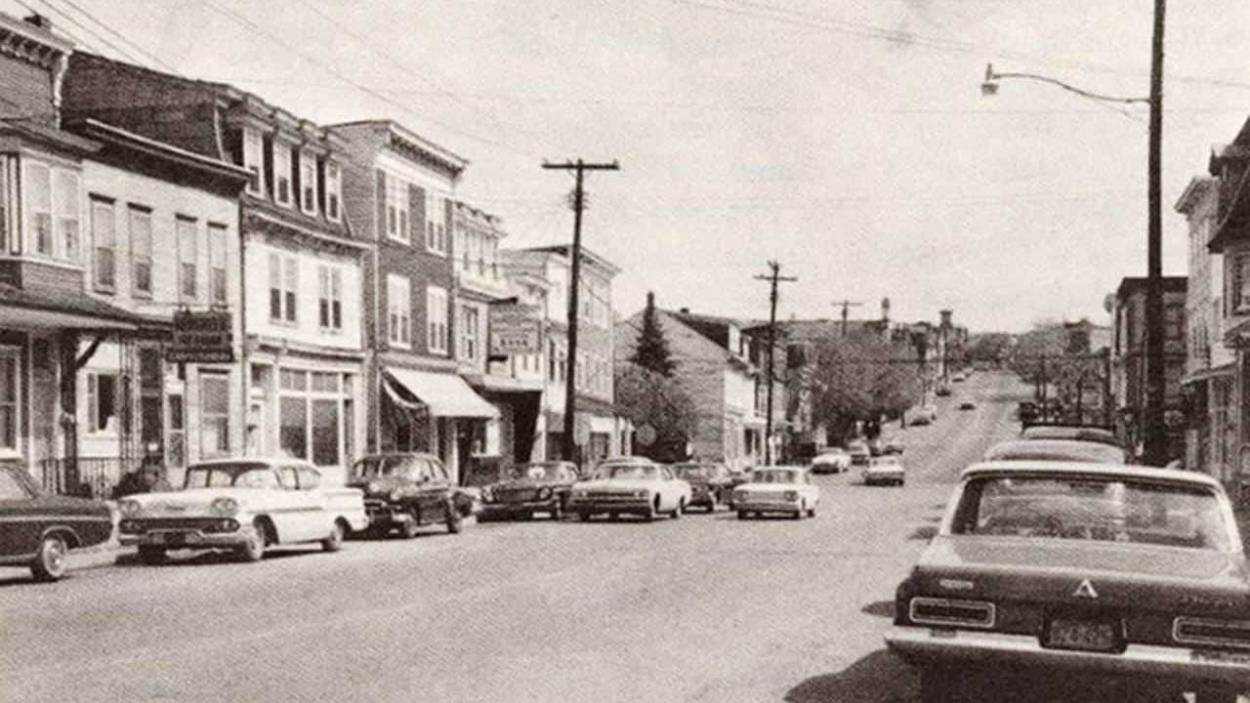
[[508, 439], [427, 411]]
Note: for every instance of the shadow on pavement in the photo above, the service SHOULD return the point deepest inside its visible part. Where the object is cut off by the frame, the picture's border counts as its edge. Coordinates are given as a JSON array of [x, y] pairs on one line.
[[881, 609], [879, 677], [925, 532]]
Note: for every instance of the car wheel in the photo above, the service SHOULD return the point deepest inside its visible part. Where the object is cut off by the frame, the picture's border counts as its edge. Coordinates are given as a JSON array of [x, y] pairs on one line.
[[151, 555], [584, 517], [49, 563], [455, 521], [409, 529], [811, 512], [254, 548], [798, 514], [681, 508], [557, 510], [334, 542], [742, 514], [653, 509]]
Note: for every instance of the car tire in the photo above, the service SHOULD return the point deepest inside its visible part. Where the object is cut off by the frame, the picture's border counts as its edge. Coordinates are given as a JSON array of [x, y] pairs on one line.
[[151, 556], [742, 514], [254, 548], [455, 521], [409, 529], [811, 512], [557, 510], [681, 508], [583, 516], [49, 563], [798, 514], [334, 542]]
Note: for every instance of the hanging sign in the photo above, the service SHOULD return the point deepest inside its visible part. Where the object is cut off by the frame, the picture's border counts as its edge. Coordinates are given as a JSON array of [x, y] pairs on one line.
[[515, 329], [202, 338]]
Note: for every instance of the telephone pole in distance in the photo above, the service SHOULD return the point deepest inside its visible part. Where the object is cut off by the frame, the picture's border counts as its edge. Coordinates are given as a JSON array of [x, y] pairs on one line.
[[579, 168], [846, 306], [774, 277]]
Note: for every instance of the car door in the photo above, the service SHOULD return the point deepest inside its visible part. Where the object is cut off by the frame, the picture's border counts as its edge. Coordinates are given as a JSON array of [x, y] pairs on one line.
[[433, 484], [318, 518], [668, 489], [290, 506]]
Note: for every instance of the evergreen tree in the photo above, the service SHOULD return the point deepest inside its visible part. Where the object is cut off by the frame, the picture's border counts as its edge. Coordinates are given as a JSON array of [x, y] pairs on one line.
[[652, 350]]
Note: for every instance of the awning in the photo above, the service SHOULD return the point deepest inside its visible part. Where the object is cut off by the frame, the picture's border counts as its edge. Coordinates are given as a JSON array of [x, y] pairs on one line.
[[1207, 374], [46, 308], [754, 422], [444, 394]]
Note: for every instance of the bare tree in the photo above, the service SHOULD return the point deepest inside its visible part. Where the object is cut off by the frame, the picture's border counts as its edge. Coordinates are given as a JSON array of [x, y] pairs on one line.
[[862, 378]]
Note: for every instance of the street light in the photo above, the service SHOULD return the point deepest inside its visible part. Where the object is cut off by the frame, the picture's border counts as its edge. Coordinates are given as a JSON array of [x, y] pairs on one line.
[[1156, 444]]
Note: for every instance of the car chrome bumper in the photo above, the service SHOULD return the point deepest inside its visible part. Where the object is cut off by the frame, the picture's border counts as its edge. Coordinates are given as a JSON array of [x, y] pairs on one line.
[[191, 539], [616, 505], [768, 506], [1182, 664], [521, 508]]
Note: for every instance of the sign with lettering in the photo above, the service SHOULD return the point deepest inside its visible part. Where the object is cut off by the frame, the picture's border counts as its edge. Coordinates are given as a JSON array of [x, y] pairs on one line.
[[202, 338], [515, 329]]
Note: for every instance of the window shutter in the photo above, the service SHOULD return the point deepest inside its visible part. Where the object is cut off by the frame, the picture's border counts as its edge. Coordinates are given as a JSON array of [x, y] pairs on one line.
[[380, 225], [416, 215]]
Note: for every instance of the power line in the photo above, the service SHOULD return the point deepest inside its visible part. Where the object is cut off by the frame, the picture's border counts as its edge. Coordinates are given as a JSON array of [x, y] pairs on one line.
[[72, 20], [106, 27]]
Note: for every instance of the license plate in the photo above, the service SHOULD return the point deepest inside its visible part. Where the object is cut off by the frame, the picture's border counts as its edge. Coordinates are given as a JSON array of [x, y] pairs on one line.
[[1085, 635]]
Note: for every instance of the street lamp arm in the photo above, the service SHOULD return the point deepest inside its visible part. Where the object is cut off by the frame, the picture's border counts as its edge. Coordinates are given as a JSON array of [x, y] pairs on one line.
[[991, 76]]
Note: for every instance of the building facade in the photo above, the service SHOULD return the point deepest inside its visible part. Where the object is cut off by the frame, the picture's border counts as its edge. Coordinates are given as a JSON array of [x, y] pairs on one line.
[[1128, 360], [300, 266]]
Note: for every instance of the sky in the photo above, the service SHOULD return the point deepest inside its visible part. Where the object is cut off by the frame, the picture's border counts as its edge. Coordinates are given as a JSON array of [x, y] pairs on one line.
[[847, 140]]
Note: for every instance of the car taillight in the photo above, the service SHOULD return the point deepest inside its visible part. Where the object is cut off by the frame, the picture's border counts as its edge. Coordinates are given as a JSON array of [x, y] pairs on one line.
[[1211, 632], [946, 612]]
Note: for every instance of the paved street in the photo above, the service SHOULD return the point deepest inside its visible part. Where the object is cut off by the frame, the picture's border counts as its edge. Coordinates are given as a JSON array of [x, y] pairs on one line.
[[706, 608]]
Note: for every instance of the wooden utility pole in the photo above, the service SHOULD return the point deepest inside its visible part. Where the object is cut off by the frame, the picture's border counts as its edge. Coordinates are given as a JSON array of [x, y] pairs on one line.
[[579, 168], [1156, 441], [846, 310], [774, 277]]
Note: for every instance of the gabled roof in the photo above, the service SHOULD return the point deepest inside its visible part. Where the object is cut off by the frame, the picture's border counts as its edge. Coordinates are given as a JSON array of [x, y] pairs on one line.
[[588, 256], [676, 331]]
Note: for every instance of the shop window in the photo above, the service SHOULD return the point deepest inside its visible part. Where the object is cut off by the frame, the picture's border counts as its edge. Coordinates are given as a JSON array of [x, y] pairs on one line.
[[8, 400], [102, 396], [293, 427], [325, 427], [177, 451], [214, 415]]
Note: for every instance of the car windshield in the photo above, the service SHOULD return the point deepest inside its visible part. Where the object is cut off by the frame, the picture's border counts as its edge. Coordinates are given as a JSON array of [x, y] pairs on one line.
[[390, 466], [547, 471], [774, 476], [628, 471], [689, 471], [1107, 509], [248, 475]]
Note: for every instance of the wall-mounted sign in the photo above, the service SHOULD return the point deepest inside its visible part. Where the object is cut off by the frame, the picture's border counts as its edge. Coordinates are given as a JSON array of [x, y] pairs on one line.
[[202, 338], [515, 329]]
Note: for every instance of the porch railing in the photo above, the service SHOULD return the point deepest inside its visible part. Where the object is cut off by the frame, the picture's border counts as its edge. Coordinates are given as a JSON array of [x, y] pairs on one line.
[[98, 475]]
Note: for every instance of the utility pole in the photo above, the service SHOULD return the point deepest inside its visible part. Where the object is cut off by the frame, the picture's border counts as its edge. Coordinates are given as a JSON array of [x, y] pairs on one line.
[[846, 306], [1156, 444], [774, 277], [579, 168]]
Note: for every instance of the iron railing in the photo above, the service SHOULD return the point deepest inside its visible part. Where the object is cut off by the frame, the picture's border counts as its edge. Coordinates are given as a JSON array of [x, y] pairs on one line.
[[96, 476]]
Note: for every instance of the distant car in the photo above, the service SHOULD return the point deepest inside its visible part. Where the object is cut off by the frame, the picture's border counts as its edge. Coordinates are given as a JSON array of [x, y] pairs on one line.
[[892, 448], [860, 454], [1057, 450], [833, 460], [40, 529], [405, 491], [958, 378], [777, 489], [885, 471], [1127, 577], [245, 505], [630, 486], [967, 405], [923, 415], [1084, 433], [536, 487], [942, 391], [710, 484]]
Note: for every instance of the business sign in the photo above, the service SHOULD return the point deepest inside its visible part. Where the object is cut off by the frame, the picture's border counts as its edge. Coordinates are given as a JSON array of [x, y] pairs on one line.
[[515, 329], [202, 338]]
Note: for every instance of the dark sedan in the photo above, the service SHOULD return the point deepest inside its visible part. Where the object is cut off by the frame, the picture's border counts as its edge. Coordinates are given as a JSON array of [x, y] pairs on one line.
[[1123, 578], [39, 529], [539, 487], [710, 484], [406, 491]]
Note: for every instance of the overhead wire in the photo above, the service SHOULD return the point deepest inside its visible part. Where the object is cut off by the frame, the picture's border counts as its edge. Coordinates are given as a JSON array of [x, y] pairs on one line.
[[124, 53], [121, 37]]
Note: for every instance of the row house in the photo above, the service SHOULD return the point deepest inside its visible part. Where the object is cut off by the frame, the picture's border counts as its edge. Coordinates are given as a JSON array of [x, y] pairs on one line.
[[599, 431], [1128, 360], [104, 233], [1209, 364], [399, 190], [300, 267], [712, 362]]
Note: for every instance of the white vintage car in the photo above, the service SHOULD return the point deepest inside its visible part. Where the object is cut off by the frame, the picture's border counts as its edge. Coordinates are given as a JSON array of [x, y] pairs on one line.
[[885, 470], [630, 486], [244, 505], [777, 489]]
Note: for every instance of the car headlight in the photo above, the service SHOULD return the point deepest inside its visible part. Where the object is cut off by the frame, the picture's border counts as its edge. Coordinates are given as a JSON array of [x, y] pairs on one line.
[[544, 493], [373, 487], [791, 495], [224, 506], [129, 508]]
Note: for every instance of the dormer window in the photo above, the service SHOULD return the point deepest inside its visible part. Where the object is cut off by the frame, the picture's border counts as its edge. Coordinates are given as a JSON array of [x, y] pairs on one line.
[[308, 183], [333, 191], [254, 160], [282, 173]]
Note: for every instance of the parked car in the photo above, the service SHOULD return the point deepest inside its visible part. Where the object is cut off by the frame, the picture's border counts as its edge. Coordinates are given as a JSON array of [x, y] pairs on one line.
[[1084, 433], [1057, 450], [924, 415], [942, 391], [860, 454], [1053, 571], [892, 447], [885, 471], [405, 491], [777, 489], [710, 484], [536, 487], [41, 529], [967, 405], [245, 505], [630, 486], [833, 460]]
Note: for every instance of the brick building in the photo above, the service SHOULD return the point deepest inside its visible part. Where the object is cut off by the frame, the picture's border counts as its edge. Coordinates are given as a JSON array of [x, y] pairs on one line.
[[1128, 359]]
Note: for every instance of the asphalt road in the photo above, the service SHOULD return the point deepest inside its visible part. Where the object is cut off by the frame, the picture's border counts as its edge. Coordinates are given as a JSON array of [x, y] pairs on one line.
[[705, 608]]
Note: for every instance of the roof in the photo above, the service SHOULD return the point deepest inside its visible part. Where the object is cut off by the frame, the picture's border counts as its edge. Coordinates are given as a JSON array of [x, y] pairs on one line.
[[70, 302], [677, 331], [587, 256], [188, 159], [1074, 468], [405, 139], [1198, 187], [1133, 284]]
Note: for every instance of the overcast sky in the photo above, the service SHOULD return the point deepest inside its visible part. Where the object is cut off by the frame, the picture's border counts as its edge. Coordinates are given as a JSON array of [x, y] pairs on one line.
[[846, 139]]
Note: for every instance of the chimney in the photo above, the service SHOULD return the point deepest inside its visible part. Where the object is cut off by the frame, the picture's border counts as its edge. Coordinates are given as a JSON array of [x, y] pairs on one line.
[[40, 21], [650, 300], [946, 317]]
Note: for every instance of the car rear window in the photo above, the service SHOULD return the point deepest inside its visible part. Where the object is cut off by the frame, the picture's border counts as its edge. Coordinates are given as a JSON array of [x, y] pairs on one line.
[[1084, 508]]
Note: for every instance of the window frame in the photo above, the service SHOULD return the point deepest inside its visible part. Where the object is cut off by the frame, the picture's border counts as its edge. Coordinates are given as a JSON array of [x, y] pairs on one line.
[[12, 355], [218, 253], [282, 165], [436, 325], [329, 298], [333, 190], [397, 207], [139, 255], [185, 225], [216, 417], [93, 402], [470, 342], [308, 183], [436, 224], [254, 161], [102, 251], [284, 269], [398, 317]]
